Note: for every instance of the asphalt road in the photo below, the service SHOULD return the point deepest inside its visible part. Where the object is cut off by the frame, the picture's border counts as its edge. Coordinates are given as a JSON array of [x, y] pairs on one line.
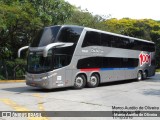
[[130, 93]]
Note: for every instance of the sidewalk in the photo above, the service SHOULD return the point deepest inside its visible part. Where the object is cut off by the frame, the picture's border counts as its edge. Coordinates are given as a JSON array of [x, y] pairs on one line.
[[10, 81]]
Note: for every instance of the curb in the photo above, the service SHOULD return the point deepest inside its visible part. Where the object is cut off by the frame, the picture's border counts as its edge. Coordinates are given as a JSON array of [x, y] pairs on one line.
[[10, 81]]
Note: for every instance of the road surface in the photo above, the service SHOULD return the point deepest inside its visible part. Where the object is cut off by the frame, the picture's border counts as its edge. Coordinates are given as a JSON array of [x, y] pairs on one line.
[[106, 97]]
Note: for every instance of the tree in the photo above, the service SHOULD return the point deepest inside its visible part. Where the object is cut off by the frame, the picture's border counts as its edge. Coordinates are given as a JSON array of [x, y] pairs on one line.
[[21, 19], [85, 18], [52, 12]]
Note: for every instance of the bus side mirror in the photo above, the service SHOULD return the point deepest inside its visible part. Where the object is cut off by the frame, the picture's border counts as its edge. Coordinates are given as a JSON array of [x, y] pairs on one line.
[[46, 49], [22, 48]]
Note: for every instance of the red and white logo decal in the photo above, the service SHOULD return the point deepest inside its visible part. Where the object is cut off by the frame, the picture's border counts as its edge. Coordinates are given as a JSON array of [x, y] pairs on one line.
[[144, 59]]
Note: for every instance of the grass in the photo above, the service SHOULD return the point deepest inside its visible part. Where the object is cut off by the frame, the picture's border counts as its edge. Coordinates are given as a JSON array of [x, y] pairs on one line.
[[158, 70]]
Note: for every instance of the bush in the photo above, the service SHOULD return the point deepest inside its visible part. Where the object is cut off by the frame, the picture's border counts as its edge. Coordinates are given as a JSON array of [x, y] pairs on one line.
[[1, 77]]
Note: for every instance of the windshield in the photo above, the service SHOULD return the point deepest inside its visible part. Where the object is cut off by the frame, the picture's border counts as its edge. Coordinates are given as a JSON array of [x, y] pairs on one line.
[[45, 36], [37, 63]]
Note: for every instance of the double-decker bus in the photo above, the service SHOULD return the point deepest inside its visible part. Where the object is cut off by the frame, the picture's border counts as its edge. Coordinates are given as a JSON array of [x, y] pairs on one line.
[[68, 55]]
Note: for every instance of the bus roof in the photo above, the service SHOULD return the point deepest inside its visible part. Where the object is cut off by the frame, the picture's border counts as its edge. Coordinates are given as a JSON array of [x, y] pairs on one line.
[[115, 34]]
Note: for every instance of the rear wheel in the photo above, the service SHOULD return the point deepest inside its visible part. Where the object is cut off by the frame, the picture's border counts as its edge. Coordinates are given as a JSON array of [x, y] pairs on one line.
[[94, 81], [145, 75], [139, 76], [80, 82]]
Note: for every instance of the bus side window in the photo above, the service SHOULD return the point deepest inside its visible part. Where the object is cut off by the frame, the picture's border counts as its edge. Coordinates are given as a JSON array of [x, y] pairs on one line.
[[91, 62], [91, 39], [60, 61], [69, 34], [106, 40]]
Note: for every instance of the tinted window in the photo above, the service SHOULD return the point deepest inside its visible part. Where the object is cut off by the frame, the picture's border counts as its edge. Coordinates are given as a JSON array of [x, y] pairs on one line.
[[130, 44], [115, 62], [107, 62], [114, 41], [144, 46], [45, 36], [117, 42], [92, 62], [69, 34], [91, 39], [149, 47], [120, 62], [106, 40], [125, 43], [39, 64], [129, 62], [138, 45], [110, 62], [61, 60], [65, 51], [101, 39]]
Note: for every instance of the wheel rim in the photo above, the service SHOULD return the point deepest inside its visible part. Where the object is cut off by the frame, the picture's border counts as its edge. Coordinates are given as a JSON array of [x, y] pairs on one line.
[[93, 80], [79, 81], [139, 76], [145, 75]]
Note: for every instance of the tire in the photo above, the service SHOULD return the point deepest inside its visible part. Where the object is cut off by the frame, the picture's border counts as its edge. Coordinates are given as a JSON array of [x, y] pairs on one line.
[[139, 76], [144, 75], [80, 82], [94, 81]]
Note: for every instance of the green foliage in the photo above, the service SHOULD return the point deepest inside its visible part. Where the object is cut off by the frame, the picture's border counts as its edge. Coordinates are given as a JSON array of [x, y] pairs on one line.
[[1, 77], [157, 70], [16, 62], [135, 28], [21, 19], [52, 11], [17, 30], [85, 18], [16, 68]]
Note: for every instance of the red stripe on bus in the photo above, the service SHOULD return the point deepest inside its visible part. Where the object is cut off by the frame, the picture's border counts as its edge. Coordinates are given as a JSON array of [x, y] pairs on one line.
[[90, 69]]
